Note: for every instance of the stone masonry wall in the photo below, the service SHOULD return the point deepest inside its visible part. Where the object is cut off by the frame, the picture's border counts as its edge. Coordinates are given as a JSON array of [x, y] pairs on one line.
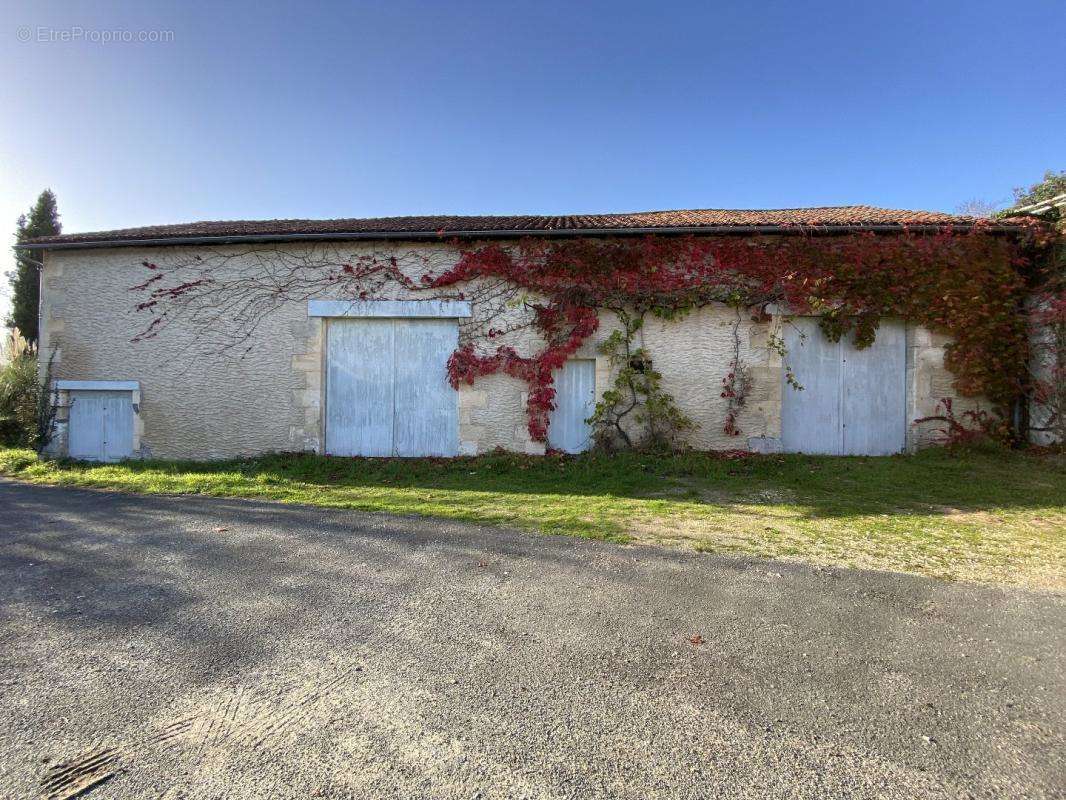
[[271, 398], [929, 382]]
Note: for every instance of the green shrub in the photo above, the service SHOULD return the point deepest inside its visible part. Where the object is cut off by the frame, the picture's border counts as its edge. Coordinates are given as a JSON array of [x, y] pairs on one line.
[[19, 399]]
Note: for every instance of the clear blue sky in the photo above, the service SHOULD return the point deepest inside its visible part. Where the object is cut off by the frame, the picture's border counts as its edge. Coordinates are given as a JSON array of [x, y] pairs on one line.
[[265, 110]]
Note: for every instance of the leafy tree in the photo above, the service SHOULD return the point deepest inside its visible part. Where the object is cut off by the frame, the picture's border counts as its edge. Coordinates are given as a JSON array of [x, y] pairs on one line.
[[1053, 184], [42, 220], [1048, 320], [976, 207]]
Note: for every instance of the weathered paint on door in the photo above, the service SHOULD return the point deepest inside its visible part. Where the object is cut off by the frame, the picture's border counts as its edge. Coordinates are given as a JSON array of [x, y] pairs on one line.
[[874, 403], [853, 401], [810, 419], [387, 390], [575, 400], [100, 426], [359, 387], [426, 415]]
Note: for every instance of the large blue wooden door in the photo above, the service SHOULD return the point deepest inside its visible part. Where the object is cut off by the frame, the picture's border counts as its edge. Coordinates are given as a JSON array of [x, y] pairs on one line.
[[853, 402], [387, 390]]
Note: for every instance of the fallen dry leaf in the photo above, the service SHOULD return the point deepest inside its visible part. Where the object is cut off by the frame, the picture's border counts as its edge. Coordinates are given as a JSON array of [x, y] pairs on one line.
[[696, 639]]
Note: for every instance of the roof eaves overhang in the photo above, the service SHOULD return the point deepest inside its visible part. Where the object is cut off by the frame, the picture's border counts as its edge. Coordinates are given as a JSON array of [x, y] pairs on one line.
[[263, 238]]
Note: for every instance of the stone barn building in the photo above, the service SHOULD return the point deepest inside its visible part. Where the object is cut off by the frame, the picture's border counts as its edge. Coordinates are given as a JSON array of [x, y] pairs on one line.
[[367, 377]]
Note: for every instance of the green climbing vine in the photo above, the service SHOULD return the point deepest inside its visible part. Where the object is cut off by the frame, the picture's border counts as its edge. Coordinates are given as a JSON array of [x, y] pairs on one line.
[[636, 412]]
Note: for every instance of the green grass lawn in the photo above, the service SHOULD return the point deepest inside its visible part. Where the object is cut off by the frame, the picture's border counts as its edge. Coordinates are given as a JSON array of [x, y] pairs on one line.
[[981, 516]]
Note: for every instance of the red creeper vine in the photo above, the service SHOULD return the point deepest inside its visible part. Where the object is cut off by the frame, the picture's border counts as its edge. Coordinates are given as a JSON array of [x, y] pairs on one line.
[[969, 284]]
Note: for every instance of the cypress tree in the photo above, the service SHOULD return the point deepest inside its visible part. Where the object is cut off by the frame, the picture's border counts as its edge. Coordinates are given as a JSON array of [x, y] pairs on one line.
[[42, 220]]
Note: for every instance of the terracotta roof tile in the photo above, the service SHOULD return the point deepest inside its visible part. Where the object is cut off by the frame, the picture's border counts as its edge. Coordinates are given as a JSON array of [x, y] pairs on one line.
[[716, 219]]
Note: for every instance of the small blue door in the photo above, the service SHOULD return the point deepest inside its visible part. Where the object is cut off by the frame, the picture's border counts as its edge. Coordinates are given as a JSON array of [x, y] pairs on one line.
[[575, 400], [100, 426]]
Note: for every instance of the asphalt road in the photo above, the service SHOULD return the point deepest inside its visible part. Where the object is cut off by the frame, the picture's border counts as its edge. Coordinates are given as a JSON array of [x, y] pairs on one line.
[[193, 647]]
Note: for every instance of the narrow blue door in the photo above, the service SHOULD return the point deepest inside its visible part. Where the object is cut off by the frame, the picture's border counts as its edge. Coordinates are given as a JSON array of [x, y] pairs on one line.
[[575, 400]]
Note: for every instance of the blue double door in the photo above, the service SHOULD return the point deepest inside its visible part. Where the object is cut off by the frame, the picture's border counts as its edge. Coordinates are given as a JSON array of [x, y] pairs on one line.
[[852, 401], [387, 389]]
